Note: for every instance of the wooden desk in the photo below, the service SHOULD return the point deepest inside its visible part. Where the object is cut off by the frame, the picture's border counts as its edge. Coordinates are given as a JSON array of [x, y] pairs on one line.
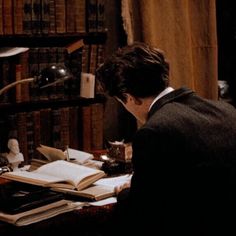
[[86, 221]]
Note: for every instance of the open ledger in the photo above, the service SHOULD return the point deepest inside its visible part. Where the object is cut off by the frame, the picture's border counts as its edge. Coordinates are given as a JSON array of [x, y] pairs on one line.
[[59, 174], [101, 189], [39, 214]]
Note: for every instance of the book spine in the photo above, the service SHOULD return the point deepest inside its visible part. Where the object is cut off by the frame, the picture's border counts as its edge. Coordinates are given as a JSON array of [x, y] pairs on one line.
[[37, 132], [93, 58], [65, 131], [52, 17], [46, 127], [22, 134], [7, 17], [36, 16], [86, 129], [97, 111], [100, 60], [70, 16], [60, 16], [45, 20], [18, 70], [100, 15], [56, 128], [80, 16], [24, 61], [74, 127], [1, 18], [27, 16], [33, 71], [5, 80], [85, 58], [30, 136], [91, 16], [18, 16]]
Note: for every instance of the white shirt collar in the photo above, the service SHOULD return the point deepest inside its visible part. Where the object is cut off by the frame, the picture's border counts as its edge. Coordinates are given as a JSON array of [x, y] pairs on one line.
[[164, 92]]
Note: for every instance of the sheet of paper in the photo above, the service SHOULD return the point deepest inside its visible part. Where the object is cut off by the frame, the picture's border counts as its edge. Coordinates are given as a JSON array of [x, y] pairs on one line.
[[77, 156], [114, 181]]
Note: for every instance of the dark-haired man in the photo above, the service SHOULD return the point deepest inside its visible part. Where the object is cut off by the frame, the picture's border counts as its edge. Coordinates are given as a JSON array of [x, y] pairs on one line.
[[184, 155]]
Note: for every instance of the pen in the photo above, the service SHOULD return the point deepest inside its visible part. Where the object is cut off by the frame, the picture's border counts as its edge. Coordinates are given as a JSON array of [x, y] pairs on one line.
[[67, 151]]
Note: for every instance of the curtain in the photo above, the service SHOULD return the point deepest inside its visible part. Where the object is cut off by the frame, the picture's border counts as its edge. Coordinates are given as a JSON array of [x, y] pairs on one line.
[[186, 31]]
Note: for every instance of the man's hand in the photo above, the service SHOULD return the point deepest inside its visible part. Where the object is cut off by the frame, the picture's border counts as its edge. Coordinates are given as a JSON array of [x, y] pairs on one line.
[[121, 187]]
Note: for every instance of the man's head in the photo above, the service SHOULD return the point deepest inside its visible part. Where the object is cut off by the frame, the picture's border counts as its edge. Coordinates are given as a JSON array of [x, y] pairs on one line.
[[137, 69]]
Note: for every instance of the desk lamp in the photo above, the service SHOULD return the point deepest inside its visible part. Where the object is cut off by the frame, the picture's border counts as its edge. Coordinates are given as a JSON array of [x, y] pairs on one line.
[[48, 77]]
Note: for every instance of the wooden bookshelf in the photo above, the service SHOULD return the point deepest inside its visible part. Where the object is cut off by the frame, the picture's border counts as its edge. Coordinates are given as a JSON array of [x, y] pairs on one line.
[[60, 40], [36, 105], [47, 28]]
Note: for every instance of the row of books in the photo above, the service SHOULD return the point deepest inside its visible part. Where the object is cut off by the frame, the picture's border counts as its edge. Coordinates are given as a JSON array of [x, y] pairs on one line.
[[51, 16], [30, 63], [78, 127]]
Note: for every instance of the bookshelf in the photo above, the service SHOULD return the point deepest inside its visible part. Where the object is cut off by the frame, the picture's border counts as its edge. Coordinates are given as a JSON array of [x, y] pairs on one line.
[[57, 116], [31, 106], [50, 40]]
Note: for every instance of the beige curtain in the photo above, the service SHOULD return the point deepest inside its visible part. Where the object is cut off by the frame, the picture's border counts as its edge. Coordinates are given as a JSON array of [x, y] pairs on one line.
[[186, 31]]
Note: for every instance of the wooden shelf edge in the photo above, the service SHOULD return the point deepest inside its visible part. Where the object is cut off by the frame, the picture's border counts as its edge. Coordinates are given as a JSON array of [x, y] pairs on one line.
[[36, 105], [56, 40]]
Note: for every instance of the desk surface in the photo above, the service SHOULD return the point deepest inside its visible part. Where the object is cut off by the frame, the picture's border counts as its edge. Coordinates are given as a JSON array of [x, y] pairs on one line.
[[86, 221]]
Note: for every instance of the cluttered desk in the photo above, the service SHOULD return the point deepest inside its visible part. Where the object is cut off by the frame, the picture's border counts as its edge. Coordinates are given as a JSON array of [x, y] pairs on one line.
[[84, 221], [51, 205]]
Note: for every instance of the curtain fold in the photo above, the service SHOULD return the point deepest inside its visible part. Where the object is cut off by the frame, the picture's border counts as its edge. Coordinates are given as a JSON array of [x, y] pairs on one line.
[[186, 31]]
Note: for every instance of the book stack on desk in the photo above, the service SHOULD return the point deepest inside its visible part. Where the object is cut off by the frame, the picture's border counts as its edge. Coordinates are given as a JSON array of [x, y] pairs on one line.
[[39, 213], [23, 204], [101, 189]]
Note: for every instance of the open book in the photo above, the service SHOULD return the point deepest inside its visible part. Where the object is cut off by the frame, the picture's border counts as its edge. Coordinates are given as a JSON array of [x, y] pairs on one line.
[[39, 214], [60, 174], [53, 154], [101, 189]]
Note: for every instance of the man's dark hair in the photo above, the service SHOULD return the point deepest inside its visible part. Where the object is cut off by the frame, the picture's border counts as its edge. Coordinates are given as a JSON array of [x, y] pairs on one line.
[[137, 69]]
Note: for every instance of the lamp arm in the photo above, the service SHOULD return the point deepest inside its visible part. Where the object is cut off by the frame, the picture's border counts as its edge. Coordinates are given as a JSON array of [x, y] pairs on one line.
[[28, 80]]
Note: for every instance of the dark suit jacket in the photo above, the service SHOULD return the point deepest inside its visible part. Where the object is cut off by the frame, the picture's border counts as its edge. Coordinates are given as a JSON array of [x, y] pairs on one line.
[[184, 161]]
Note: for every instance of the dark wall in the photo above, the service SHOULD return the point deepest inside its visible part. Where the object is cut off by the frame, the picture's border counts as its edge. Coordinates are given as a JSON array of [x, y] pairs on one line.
[[226, 33]]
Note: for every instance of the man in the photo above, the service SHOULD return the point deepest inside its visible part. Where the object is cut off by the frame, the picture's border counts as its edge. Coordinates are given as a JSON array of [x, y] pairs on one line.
[[184, 155]]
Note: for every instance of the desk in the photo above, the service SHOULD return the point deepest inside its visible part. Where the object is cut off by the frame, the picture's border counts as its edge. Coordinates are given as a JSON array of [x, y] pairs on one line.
[[86, 221]]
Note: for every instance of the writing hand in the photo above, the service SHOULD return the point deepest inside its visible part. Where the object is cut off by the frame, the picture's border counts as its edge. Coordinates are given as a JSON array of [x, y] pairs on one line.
[[119, 188]]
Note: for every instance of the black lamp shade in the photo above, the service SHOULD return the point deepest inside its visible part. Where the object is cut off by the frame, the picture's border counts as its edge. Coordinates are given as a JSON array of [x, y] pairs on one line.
[[52, 75]]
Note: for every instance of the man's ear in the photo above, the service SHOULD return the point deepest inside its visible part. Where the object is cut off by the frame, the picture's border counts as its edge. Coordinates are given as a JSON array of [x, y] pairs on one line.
[[135, 100]]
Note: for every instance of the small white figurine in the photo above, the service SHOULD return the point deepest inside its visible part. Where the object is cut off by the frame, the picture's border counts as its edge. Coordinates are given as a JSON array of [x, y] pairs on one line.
[[15, 157]]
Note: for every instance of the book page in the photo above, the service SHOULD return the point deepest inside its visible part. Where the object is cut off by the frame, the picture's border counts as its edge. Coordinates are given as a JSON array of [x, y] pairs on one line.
[[74, 173], [77, 156], [32, 177], [58, 174], [52, 154], [103, 202], [114, 181]]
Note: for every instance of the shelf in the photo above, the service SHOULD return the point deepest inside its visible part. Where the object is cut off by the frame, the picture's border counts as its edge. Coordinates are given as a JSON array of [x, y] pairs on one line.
[[36, 105], [58, 40]]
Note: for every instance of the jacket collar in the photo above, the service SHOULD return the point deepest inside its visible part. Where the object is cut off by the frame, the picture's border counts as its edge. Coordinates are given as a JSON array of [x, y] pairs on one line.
[[181, 92]]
